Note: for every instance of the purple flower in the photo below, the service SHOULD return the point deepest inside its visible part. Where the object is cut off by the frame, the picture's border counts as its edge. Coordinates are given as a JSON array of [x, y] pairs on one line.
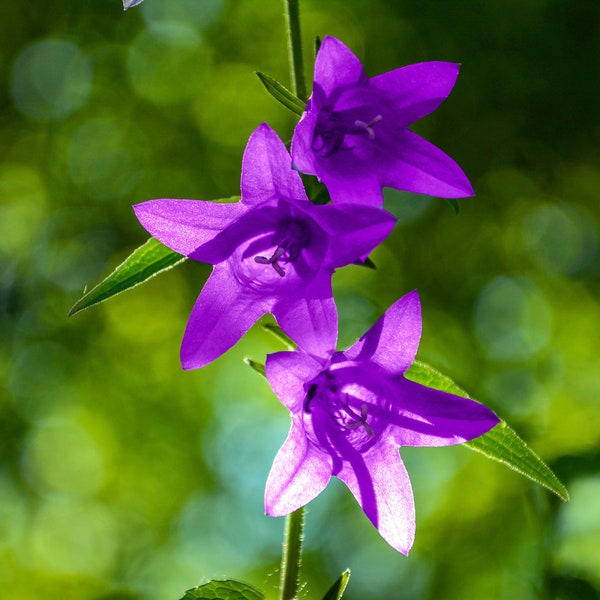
[[354, 134], [131, 3], [273, 252], [351, 411]]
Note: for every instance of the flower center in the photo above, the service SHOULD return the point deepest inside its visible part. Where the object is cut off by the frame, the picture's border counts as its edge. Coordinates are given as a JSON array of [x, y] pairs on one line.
[[290, 238], [332, 128], [331, 411]]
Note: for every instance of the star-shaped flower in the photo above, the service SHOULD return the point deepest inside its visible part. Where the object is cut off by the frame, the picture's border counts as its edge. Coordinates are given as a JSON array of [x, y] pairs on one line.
[[351, 411], [354, 134], [274, 251]]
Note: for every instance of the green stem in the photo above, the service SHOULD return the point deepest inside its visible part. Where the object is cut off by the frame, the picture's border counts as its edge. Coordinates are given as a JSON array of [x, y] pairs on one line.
[[292, 555], [292, 25]]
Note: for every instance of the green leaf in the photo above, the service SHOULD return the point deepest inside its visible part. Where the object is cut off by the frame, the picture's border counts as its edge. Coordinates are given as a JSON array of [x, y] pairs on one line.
[[256, 366], [368, 263], [500, 443], [224, 590], [315, 189], [144, 262], [317, 45], [455, 204], [282, 94], [336, 591], [280, 335]]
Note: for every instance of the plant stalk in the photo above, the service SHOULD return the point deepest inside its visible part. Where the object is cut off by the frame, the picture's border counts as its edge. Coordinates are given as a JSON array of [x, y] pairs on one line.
[[292, 555], [294, 39]]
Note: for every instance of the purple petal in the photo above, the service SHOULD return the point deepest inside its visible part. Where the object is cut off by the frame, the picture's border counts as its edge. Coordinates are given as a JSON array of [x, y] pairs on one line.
[[131, 3], [422, 168], [287, 373], [393, 340], [336, 66], [303, 157], [415, 90], [309, 316], [346, 177], [266, 169], [428, 417], [379, 481], [186, 225], [299, 473], [356, 230], [222, 314], [350, 186]]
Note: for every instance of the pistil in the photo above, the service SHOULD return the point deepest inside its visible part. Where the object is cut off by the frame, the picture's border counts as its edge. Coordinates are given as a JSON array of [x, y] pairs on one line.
[[368, 127], [263, 260], [362, 420], [331, 131], [291, 237]]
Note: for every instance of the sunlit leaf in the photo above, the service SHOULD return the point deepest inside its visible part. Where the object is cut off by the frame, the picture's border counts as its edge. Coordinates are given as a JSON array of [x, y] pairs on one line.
[[224, 590], [280, 335], [282, 94], [336, 591], [501, 443], [144, 262], [256, 366]]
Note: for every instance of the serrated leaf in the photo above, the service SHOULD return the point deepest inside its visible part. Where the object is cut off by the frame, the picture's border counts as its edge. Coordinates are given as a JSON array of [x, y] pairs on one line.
[[144, 262], [500, 443], [336, 591], [224, 590], [282, 94]]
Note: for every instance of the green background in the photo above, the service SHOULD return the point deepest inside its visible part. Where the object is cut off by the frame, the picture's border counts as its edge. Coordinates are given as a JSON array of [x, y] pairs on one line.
[[123, 477]]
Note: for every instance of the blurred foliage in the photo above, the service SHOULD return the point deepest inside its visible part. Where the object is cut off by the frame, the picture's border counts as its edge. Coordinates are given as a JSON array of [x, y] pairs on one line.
[[123, 477]]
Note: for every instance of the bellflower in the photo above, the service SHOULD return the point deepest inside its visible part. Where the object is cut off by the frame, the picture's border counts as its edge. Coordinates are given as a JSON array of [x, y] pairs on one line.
[[131, 3], [274, 251], [351, 411], [354, 134]]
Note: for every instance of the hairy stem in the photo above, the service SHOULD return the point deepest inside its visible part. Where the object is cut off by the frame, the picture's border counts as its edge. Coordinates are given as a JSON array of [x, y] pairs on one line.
[[292, 555]]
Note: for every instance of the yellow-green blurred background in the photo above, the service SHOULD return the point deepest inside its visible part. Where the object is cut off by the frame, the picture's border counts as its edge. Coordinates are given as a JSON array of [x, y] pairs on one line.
[[123, 477]]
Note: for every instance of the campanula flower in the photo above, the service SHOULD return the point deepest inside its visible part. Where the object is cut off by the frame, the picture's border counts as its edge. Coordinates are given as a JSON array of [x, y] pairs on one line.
[[352, 410], [131, 3], [354, 134], [274, 251]]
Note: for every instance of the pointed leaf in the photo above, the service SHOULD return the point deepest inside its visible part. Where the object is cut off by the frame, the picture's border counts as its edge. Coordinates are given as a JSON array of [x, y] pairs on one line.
[[224, 590], [282, 94], [317, 45], [336, 591], [144, 262], [455, 204], [368, 263], [500, 443], [280, 335], [256, 366]]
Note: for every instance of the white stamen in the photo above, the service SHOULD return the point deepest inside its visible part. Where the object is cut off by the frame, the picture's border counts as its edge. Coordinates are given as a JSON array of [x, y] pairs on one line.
[[368, 127], [362, 421]]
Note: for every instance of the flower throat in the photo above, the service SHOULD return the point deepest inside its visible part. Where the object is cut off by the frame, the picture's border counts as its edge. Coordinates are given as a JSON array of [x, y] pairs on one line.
[[291, 237], [331, 130]]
